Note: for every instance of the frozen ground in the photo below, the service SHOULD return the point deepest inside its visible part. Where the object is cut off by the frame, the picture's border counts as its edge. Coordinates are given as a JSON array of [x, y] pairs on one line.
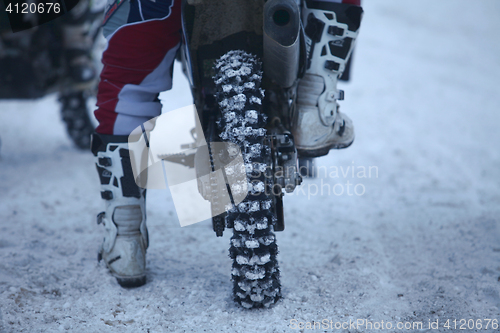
[[422, 243]]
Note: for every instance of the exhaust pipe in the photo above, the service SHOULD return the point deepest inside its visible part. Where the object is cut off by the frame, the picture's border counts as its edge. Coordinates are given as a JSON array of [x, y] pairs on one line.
[[282, 41]]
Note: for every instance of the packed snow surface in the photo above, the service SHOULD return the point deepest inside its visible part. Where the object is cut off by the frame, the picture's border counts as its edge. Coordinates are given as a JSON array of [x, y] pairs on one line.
[[407, 228]]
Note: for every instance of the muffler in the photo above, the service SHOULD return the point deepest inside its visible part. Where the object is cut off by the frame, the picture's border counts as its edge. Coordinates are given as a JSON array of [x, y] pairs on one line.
[[282, 30]]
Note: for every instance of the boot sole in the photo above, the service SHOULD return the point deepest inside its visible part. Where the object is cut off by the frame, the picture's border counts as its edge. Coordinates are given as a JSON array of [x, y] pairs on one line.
[[322, 151], [131, 282]]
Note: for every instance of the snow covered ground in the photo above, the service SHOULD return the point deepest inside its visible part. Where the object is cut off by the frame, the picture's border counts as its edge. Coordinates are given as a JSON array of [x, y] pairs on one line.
[[421, 243]]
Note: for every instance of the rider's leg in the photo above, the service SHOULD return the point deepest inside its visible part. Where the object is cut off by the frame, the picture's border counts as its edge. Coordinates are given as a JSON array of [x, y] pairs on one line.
[[124, 219], [143, 37], [331, 28]]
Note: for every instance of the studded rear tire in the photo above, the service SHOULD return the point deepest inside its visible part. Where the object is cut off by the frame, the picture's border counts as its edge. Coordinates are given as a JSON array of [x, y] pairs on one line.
[[75, 115], [253, 248]]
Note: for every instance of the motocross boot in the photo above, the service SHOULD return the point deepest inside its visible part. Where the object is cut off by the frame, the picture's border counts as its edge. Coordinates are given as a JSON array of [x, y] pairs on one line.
[[318, 125], [126, 239]]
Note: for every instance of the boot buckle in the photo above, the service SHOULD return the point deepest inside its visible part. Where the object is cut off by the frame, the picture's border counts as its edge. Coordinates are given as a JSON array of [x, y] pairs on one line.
[[100, 217]]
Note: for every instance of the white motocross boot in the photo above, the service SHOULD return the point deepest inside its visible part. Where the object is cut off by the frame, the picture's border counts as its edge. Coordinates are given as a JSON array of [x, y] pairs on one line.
[[126, 239], [331, 30]]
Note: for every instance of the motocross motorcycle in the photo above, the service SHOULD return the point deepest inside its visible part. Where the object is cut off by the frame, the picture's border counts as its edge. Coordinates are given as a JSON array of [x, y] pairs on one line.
[[244, 60], [32, 66]]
